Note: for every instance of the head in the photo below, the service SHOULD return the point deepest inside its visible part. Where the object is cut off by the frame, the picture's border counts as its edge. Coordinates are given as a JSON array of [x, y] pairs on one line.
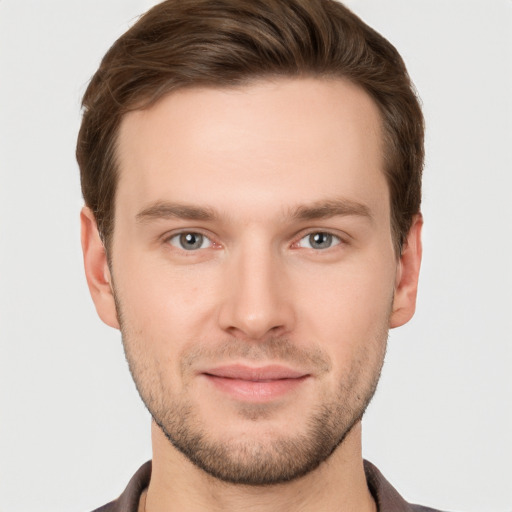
[[192, 43], [251, 172]]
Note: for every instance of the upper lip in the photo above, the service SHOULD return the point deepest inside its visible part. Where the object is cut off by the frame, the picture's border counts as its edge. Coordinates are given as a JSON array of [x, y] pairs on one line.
[[250, 373]]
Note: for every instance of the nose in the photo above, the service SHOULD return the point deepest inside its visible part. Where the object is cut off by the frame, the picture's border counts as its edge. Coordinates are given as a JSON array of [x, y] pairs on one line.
[[257, 302]]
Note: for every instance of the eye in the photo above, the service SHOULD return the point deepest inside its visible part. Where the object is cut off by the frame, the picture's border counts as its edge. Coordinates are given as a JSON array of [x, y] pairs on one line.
[[190, 241], [319, 240]]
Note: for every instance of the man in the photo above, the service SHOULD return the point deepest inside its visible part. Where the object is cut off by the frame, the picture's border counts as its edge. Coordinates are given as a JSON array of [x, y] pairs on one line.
[[252, 177]]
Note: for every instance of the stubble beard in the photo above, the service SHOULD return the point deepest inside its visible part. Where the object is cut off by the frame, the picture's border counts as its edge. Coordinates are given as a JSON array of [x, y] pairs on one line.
[[258, 462]]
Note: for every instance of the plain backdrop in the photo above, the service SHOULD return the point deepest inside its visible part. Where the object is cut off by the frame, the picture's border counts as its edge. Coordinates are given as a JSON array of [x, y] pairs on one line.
[[72, 427]]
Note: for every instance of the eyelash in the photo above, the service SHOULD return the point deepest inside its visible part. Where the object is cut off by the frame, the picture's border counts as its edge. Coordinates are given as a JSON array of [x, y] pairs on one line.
[[177, 236], [337, 240], [331, 237]]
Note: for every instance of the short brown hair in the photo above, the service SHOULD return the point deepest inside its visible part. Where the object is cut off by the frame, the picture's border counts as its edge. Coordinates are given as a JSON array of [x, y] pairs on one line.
[[183, 43]]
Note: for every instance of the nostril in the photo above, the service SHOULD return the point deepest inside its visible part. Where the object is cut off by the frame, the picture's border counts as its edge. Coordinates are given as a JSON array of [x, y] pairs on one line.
[[255, 305]]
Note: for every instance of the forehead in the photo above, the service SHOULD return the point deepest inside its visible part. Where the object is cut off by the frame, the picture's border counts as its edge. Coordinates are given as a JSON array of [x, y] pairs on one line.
[[286, 141]]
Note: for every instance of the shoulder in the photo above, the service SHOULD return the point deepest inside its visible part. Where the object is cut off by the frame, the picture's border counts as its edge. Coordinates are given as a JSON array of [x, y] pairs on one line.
[[386, 496], [129, 499], [420, 508], [109, 507]]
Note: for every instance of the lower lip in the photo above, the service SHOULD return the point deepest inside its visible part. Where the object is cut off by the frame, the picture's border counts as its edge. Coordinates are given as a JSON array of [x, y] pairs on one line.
[[255, 391]]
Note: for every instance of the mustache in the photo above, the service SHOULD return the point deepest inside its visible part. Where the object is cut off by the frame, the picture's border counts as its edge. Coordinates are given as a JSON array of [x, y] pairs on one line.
[[275, 349]]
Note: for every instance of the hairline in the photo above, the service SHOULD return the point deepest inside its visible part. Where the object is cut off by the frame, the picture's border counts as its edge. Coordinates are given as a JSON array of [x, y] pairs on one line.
[[145, 102]]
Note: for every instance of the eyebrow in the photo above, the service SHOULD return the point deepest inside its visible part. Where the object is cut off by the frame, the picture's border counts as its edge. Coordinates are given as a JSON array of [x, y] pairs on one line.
[[165, 210], [322, 209], [331, 208]]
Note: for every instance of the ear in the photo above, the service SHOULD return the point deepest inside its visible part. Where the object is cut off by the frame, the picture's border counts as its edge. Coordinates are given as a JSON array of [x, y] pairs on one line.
[[96, 269], [408, 270]]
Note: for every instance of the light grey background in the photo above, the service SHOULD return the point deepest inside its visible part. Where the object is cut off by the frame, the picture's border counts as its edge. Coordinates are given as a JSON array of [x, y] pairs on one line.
[[72, 428]]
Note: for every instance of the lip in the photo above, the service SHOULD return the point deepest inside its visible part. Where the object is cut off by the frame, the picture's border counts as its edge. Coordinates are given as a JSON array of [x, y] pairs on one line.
[[255, 384]]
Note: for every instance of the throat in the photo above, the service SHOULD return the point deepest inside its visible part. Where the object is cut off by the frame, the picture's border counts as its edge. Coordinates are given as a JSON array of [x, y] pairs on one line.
[[339, 483], [142, 501]]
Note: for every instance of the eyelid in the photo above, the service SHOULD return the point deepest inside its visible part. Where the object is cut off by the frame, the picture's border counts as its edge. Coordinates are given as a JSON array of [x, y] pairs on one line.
[[342, 238], [167, 237]]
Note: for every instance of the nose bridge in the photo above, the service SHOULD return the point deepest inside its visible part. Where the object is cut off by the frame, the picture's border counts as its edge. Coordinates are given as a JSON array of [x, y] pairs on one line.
[[256, 303]]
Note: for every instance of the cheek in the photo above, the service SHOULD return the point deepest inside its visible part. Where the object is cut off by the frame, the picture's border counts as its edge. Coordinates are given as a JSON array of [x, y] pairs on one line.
[[164, 301], [163, 310], [348, 307]]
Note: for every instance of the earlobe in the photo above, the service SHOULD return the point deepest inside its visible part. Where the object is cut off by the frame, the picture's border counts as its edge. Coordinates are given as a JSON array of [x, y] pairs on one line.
[[97, 271], [406, 286]]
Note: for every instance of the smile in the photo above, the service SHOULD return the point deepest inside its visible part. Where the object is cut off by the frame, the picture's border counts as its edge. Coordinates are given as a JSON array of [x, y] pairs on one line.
[[255, 384]]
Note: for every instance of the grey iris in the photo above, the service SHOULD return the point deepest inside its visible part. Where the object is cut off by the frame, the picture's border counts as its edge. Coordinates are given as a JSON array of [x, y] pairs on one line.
[[320, 240], [191, 241]]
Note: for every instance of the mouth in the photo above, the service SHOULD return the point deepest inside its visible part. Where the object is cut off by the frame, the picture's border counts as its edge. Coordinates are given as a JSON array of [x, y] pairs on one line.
[[255, 384]]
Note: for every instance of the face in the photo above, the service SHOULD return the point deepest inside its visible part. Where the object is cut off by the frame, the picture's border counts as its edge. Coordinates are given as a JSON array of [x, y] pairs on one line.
[[253, 270]]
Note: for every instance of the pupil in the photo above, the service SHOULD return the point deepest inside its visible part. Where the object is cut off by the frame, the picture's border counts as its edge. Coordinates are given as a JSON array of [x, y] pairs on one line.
[[320, 240], [191, 240]]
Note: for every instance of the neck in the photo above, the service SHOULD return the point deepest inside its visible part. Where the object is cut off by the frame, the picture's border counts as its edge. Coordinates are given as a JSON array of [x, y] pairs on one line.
[[338, 484]]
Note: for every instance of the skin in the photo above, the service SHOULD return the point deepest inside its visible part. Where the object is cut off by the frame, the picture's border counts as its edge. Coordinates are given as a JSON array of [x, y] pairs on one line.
[[271, 163]]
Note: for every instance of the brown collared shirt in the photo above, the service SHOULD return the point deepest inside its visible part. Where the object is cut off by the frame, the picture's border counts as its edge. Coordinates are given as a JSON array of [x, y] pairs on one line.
[[384, 494]]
